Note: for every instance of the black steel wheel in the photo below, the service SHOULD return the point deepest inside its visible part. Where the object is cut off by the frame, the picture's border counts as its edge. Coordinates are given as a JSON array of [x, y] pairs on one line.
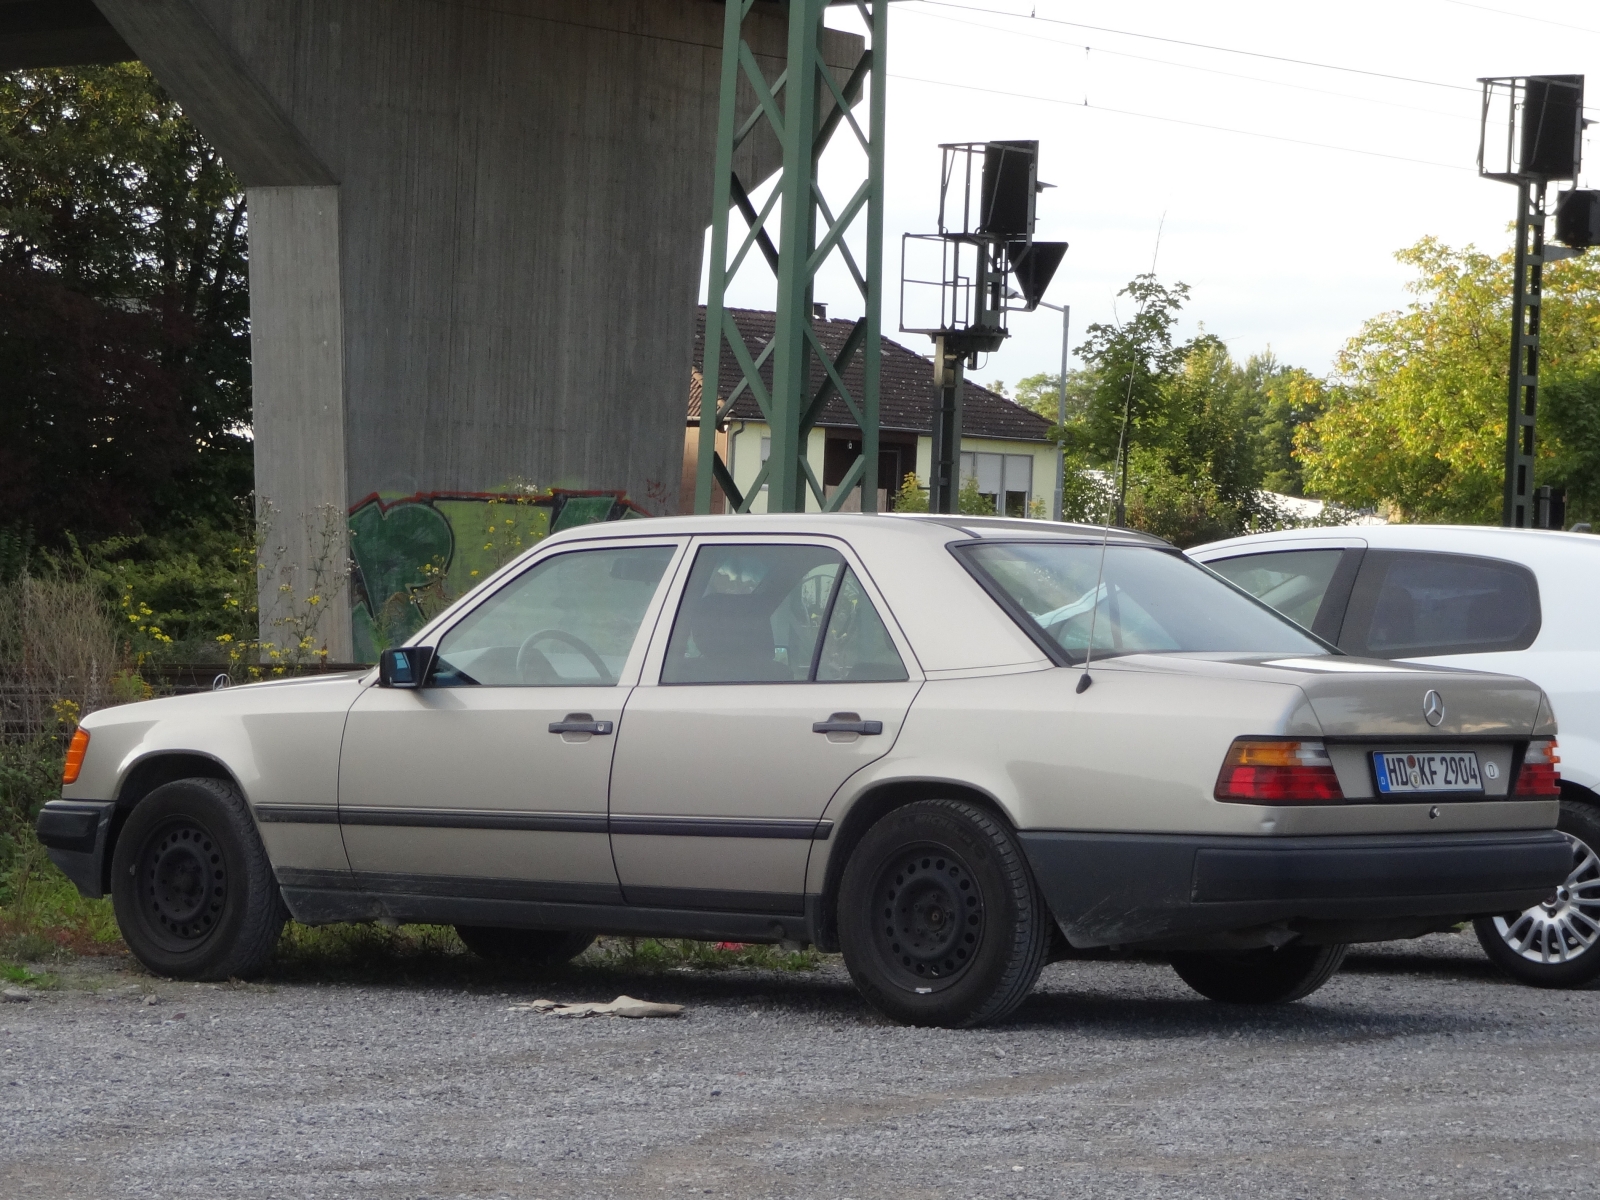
[[1266, 976], [540, 949], [1556, 943], [193, 891], [939, 918]]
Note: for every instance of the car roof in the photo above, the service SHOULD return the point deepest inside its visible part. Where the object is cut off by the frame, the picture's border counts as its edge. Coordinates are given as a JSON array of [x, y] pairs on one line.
[[930, 525]]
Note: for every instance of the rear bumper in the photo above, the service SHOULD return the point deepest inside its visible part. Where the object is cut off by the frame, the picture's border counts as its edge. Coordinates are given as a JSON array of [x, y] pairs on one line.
[[1124, 889], [76, 833]]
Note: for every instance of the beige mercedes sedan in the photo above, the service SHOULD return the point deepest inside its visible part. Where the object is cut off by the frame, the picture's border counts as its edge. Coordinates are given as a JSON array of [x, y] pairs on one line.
[[953, 748]]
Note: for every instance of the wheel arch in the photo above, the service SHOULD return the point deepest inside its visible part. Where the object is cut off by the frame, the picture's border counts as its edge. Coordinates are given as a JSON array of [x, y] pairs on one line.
[[866, 810]]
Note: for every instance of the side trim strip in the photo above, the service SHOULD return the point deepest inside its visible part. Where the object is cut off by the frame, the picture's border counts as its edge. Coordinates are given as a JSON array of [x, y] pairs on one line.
[[297, 814], [734, 827], [455, 818], [460, 887]]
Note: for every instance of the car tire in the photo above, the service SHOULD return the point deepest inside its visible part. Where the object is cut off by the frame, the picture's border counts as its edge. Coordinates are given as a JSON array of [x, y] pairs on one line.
[[536, 948], [1266, 976], [939, 918], [191, 885], [1555, 944]]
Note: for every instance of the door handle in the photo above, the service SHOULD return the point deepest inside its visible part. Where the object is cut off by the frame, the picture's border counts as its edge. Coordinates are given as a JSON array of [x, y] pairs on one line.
[[580, 723], [847, 723]]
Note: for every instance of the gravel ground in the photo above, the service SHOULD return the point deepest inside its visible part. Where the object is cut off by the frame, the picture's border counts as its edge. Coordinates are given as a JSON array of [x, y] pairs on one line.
[[1417, 1071]]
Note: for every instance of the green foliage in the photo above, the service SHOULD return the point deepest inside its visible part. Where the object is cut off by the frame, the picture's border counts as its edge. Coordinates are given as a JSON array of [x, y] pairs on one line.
[[124, 312], [1570, 411], [1415, 421], [912, 496], [972, 503]]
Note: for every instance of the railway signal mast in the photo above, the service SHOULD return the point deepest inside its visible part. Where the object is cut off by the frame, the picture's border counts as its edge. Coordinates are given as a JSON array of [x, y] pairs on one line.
[[1541, 118], [954, 284]]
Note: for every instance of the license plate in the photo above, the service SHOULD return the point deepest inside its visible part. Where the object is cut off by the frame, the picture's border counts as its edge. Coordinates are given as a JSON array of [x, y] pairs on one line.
[[1452, 772]]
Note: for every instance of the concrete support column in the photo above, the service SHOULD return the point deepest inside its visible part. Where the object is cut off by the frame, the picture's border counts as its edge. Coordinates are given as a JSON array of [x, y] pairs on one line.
[[297, 353]]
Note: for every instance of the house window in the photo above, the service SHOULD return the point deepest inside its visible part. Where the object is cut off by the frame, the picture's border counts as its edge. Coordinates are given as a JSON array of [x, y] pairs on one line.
[[1005, 480]]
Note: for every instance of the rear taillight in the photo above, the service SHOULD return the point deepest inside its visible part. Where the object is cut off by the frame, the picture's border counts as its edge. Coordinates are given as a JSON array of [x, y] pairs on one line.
[[75, 752], [1272, 771], [1538, 775]]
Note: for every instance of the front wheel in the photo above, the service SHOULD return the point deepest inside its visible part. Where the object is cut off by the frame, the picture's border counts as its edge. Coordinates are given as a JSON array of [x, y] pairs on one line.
[[939, 918], [1267, 976], [540, 949], [1554, 943], [193, 891]]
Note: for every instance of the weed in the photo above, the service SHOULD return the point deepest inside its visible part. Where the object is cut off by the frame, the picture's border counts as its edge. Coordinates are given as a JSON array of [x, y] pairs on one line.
[[17, 973]]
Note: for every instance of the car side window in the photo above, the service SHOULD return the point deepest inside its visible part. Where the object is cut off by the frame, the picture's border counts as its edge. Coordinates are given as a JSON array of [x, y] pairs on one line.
[[776, 614], [569, 621], [1409, 604], [1292, 581], [857, 646]]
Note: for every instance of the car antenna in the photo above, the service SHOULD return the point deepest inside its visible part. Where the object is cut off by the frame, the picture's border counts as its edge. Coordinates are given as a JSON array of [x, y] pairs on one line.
[[1122, 437]]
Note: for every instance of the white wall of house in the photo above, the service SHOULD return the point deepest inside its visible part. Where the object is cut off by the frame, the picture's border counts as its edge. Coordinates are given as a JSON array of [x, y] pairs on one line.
[[1001, 466]]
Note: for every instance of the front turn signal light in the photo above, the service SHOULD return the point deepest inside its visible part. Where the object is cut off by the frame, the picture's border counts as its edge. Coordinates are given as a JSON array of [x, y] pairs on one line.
[[75, 753], [1538, 775], [1277, 771]]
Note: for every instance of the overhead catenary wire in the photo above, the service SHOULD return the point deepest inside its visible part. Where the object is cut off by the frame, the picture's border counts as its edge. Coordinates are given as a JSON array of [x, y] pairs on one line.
[[1516, 16], [1171, 41], [1182, 66], [1274, 137]]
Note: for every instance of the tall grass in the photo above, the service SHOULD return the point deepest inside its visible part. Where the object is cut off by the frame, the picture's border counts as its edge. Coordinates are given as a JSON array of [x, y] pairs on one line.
[[59, 659]]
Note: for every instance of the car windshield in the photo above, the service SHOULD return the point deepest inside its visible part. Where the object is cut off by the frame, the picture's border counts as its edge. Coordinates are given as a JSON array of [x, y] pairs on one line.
[[1147, 601]]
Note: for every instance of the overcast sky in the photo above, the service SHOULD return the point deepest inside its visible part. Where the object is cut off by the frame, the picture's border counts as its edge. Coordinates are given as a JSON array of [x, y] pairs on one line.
[[1285, 245]]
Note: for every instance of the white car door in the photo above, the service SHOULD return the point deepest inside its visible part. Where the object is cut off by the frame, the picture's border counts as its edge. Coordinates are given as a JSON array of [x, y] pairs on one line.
[[490, 782], [777, 678]]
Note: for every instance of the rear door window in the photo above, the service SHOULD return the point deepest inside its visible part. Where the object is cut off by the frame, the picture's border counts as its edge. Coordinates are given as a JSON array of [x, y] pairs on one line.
[[1413, 604], [1295, 582]]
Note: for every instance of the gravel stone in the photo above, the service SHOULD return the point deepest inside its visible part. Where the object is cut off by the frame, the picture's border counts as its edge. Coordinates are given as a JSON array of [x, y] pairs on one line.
[[1417, 1071]]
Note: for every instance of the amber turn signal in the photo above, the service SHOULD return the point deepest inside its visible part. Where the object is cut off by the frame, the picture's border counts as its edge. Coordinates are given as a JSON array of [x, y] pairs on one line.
[[75, 753], [1538, 775], [1277, 771]]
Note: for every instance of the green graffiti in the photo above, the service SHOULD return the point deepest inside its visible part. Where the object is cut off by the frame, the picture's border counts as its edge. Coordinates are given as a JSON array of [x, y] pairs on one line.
[[416, 555]]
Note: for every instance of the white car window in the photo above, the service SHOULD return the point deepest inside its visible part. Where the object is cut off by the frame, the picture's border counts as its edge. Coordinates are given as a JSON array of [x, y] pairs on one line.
[[569, 621], [1408, 604], [1147, 601], [1293, 581]]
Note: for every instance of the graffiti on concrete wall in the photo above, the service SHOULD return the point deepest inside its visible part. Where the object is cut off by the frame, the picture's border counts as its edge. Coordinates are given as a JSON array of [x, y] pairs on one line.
[[414, 555]]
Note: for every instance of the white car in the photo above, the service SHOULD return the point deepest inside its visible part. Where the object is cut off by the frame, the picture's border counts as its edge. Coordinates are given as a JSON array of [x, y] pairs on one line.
[[871, 733], [1520, 601]]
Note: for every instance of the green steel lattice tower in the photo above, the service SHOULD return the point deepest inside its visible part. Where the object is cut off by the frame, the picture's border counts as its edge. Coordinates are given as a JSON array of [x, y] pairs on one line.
[[805, 106]]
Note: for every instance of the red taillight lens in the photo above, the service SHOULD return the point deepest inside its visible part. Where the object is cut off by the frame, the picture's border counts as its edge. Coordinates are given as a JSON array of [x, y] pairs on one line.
[[1538, 775], [75, 752], [1263, 771]]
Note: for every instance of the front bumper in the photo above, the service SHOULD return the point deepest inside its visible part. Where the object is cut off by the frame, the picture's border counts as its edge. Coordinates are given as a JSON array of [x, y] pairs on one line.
[[76, 833], [1108, 889]]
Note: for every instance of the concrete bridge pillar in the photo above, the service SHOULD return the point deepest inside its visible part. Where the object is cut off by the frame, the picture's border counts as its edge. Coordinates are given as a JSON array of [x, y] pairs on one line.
[[475, 243]]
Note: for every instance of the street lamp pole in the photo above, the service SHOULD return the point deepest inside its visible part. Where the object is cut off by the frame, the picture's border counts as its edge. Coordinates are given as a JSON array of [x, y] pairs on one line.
[[1061, 407]]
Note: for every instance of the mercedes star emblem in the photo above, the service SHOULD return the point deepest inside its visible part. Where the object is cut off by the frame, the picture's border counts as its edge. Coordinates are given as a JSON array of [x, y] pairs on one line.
[[1433, 708]]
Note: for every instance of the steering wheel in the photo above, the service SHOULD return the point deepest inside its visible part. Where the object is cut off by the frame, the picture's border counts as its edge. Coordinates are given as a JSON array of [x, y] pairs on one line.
[[534, 667]]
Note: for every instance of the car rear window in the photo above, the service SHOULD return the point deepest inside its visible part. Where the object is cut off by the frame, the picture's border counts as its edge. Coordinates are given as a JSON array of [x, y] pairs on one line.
[[1410, 604], [1293, 581], [1147, 601]]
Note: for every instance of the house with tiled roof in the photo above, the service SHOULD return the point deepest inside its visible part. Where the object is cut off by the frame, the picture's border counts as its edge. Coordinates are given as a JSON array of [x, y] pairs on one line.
[[1004, 446]]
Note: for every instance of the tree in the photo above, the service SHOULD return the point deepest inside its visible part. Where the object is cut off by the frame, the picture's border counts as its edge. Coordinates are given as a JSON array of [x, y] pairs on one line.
[[124, 310], [1415, 419]]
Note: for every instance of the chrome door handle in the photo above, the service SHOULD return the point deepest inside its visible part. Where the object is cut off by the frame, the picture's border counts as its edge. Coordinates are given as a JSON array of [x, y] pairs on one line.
[[580, 723], [847, 723]]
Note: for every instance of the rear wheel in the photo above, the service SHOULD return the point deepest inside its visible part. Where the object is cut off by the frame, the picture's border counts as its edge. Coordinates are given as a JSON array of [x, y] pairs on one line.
[[537, 948], [1264, 976], [1556, 943], [939, 918], [193, 891]]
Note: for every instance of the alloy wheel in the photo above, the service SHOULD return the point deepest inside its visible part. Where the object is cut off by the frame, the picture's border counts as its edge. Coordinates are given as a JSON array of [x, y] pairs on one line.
[[1567, 923]]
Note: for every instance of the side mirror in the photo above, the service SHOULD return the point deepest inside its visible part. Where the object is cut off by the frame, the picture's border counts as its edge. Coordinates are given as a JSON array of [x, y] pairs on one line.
[[405, 666]]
